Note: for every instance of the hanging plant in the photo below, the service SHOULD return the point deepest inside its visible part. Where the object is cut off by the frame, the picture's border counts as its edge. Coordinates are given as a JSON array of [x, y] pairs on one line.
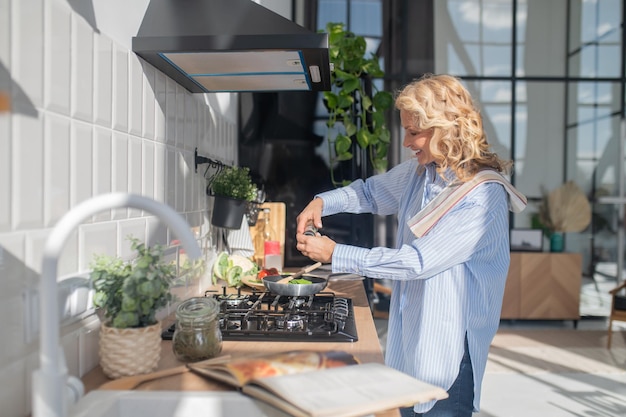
[[355, 102]]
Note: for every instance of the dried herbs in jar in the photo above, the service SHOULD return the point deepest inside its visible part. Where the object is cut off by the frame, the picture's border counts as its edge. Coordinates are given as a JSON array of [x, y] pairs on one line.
[[197, 335]]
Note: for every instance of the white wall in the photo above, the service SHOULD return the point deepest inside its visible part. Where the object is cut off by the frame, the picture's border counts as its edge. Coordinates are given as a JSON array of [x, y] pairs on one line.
[[88, 117]]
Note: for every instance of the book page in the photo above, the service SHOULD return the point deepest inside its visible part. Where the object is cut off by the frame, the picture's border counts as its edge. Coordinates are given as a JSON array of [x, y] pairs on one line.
[[343, 392], [240, 371]]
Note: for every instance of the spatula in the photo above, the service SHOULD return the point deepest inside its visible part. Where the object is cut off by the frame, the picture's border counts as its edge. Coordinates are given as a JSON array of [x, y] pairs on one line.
[[132, 382], [298, 274]]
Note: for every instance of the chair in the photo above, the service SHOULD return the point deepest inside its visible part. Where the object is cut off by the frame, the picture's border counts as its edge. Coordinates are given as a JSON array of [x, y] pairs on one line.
[[618, 309]]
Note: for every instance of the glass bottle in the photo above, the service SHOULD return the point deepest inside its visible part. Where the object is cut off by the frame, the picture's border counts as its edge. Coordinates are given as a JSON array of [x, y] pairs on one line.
[[259, 239], [266, 243], [197, 334], [272, 257]]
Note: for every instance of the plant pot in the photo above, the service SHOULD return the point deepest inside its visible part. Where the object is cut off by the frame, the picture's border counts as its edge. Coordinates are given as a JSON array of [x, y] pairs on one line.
[[126, 352], [556, 242], [228, 212]]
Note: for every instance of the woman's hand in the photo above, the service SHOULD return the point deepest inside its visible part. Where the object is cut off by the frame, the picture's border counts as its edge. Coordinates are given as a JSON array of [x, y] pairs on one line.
[[311, 215], [318, 248]]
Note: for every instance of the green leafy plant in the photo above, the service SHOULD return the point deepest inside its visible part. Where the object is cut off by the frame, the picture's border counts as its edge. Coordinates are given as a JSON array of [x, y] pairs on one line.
[[234, 182], [130, 293], [359, 108]]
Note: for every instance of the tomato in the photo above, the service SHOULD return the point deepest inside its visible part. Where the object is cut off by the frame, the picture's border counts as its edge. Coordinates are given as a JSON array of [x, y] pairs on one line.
[[265, 272]]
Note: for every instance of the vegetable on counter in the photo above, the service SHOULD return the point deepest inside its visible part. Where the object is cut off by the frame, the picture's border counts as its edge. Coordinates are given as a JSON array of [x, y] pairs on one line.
[[300, 281], [266, 272], [232, 268]]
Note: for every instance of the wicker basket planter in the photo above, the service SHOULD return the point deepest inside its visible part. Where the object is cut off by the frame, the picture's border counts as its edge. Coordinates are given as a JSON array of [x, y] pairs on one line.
[[132, 351]]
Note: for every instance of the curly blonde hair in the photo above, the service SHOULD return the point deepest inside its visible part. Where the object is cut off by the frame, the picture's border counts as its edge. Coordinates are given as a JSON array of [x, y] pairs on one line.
[[441, 103]]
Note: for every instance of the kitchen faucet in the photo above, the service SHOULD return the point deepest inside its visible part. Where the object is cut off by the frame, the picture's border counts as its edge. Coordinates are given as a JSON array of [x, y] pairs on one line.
[[53, 389]]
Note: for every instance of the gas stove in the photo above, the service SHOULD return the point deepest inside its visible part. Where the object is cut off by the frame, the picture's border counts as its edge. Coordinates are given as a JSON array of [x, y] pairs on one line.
[[264, 316]]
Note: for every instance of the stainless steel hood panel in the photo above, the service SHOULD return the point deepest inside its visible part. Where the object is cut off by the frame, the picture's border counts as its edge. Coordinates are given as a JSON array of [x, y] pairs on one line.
[[231, 45]]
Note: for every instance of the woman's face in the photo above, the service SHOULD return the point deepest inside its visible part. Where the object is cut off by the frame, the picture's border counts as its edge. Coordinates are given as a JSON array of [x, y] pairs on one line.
[[418, 141]]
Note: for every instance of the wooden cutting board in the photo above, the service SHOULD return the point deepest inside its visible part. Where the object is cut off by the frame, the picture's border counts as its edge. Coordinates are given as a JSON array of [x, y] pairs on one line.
[[277, 222]]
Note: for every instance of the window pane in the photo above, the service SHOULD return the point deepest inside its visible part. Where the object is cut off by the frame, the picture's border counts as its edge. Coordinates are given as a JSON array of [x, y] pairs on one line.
[[476, 35], [331, 11], [494, 101], [542, 41], [539, 136], [365, 17], [595, 38]]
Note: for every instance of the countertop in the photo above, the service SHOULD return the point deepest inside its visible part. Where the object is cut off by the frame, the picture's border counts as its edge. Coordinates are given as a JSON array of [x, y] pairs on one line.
[[366, 349]]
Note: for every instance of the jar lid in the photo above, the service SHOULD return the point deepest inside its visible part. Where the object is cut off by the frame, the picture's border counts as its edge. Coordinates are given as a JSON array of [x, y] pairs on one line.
[[198, 308]]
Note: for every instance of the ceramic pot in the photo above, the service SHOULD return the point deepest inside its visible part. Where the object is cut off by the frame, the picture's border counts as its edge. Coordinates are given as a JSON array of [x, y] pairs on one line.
[[556, 242], [126, 352], [228, 212]]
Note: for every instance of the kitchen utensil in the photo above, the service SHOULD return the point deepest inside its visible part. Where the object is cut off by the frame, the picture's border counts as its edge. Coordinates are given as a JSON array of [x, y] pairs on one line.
[[298, 274], [310, 230], [272, 285], [132, 382]]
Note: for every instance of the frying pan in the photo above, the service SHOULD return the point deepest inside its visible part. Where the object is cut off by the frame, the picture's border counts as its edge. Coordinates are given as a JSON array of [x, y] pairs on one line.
[[271, 284]]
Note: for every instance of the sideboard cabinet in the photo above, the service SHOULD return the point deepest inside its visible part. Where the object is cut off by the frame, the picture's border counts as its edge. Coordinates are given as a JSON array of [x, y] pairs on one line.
[[543, 286]]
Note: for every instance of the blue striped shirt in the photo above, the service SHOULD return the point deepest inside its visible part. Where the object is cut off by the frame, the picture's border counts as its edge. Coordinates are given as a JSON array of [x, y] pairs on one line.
[[446, 284]]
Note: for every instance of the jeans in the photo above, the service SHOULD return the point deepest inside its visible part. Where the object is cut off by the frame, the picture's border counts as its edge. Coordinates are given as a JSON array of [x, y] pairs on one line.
[[460, 402]]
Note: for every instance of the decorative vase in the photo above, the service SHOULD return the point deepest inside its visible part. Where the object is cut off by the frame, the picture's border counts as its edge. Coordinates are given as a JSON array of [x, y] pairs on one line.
[[556, 242], [132, 351], [228, 212]]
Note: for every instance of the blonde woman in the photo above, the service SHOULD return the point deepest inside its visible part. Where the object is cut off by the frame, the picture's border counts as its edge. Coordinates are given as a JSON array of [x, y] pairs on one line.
[[448, 276]]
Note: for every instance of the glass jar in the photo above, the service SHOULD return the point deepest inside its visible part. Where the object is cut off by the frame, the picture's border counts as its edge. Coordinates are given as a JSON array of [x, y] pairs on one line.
[[197, 334]]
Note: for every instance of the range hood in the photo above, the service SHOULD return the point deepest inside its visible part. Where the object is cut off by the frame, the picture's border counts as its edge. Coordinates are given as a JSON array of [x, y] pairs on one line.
[[231, 45]]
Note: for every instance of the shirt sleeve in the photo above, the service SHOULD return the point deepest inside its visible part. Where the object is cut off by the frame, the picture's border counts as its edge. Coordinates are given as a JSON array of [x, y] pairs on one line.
[[475, 223], [379, 194]]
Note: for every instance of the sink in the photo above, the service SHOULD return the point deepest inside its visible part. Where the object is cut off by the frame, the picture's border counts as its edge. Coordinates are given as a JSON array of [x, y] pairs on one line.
[[101, 403]]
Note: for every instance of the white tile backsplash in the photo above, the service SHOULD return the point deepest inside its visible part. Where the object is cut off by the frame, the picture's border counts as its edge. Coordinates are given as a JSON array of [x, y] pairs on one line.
[[57, 65], [12, 311], [5, 173], [27, 53], [97, 238], [120, 88], [156, 231], [171, 109], [180, 116], [148, 101], [135, 96], [81, 162], [137, 229], [171, 174], [135, 171], [12, 393], [160, 171], [102, 163], [5, 38], [27, 174], [160, 108], [147, 168], [82, 70], [88, 346], [119, 172], [56, 168], [103, 80], [89, 117]]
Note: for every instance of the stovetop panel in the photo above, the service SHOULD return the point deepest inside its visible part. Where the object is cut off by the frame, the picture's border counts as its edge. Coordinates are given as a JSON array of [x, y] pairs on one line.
[[263, 316]]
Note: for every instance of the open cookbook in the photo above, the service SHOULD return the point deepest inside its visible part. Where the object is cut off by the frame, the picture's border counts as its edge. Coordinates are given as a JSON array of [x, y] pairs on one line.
[[320, 384]]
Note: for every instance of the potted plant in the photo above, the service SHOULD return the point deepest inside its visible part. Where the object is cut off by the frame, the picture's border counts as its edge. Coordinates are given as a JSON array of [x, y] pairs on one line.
[[128, 295], [355, 102], [234, 191], [564, 209]]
